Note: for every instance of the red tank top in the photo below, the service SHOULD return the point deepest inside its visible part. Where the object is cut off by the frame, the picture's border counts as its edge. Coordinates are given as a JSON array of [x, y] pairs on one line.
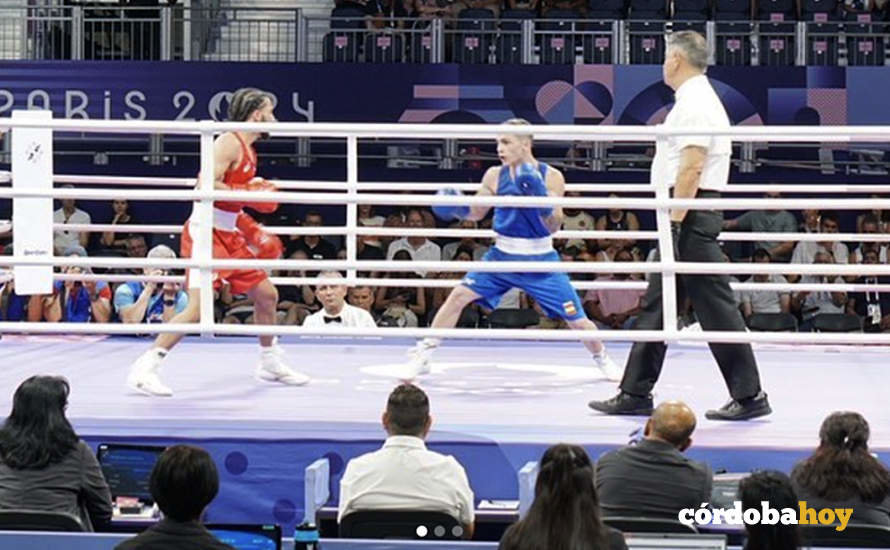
[[237, 177]]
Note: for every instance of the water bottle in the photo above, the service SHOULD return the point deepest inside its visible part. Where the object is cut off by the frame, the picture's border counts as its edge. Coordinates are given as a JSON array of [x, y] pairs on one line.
[[306, 537]]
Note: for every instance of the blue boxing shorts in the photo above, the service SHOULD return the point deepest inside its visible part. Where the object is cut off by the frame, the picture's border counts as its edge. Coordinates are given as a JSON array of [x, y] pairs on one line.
[[552, 291]]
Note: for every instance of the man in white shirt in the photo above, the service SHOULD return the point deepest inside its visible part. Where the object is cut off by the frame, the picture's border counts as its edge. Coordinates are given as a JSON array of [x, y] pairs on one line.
[[765, 301], [420, 248], [335, 311], [805, 251], [694, 166], [404, 474], [69, 214], [811, 304]]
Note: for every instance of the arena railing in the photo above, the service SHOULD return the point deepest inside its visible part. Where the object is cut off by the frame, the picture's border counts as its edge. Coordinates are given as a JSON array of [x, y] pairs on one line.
[[204, 196]]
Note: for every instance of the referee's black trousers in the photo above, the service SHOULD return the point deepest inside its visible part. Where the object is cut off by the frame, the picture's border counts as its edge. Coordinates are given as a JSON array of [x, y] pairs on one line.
[[715, 307]]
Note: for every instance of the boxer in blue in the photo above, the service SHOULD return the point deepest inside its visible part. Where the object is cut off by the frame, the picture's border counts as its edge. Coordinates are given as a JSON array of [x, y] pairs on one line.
[[523, 234]]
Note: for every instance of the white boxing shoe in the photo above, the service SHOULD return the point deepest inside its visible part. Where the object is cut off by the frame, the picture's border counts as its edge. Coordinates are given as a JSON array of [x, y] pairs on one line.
[[418, 361], [144, 378], [610, 369], [272, 368]]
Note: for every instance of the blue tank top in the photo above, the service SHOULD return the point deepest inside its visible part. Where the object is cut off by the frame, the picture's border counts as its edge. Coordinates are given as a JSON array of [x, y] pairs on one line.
[[523, 223]]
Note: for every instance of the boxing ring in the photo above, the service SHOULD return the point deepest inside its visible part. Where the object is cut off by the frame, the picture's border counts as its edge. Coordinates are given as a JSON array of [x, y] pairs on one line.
[[498, 396]]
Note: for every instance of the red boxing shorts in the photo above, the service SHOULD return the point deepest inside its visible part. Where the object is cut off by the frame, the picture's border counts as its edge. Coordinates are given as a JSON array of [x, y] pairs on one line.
[[226, 245]]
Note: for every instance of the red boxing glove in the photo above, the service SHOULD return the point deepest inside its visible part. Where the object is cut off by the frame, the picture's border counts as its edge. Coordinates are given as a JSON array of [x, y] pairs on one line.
[[259, 184], [267, 246]]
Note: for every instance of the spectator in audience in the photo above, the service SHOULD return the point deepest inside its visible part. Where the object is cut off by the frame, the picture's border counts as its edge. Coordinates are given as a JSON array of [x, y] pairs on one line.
[[477, 249], [336, 312], [367, 218], [419, 248], [12, 306], [565, 513], [404, 475], [854, 8], [236, 309], [575, 219], [493, 5], [43, 464], [883, 216], [315, 247], [401, 306], [872, 306], [653, 478], [362, 297], [78, 301], [69, 213], [805, 251], [842, 473], [614, 308], [773, 487], [809, 222], [767, 221], [117, 240], [617, 219], [531, 5], [432, 9], [183, 483], [870, 225], [810, 304], [385, 14], [765, 301], [138, 302], [136, 248]]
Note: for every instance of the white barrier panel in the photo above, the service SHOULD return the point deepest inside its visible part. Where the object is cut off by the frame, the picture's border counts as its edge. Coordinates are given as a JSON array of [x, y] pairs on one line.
[[32, 218]]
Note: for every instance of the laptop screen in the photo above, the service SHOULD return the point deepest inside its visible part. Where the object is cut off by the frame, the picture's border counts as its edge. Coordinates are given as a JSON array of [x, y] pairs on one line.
[[248, 537], [653, 541], [127, 468]]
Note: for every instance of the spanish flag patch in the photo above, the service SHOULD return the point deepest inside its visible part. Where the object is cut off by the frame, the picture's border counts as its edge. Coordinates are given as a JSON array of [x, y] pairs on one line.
[[569, 308]]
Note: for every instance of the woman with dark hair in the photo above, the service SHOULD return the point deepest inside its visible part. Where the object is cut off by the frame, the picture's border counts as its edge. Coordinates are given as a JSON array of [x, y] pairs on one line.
[[566, 512], [775, 488], [117, 240], [43, 464], [841, 473]]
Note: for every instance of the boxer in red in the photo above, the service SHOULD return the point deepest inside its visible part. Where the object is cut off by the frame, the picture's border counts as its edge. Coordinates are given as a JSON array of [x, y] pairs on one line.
[[235, 235]]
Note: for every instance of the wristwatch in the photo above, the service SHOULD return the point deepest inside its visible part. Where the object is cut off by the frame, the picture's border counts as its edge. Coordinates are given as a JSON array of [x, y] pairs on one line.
[[170, 303]]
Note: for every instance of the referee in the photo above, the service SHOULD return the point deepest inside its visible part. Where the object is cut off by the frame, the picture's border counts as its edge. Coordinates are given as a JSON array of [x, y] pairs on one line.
[[695, 166]]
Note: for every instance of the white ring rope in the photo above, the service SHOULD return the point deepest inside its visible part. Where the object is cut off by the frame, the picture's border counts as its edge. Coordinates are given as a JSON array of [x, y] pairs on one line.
[[355, 193]]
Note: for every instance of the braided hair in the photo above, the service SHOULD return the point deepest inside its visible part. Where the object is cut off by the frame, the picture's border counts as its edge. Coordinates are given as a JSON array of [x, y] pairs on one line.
[[245, 102]]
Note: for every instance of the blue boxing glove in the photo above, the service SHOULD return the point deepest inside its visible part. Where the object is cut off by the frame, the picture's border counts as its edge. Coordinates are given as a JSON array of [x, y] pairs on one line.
[[532, 184], [449, 212]]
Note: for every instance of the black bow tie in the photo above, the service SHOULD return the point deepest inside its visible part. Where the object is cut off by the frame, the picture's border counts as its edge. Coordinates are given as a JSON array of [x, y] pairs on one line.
[[336, 319]]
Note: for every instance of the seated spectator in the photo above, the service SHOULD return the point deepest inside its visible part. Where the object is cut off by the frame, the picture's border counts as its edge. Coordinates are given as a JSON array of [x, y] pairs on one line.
[[401, 306], [69, 213], [315, 247], [575, 219], [236, 309], [653, 478], [805, 251], [869, 226], [12, 306], [477, 249], [872, 306], [117, 240], [362, 297], [565, 512], [810, 304], [809, 222], [183, 483], [367, 218], [297, 301], [79, 301], [419, 248], [614, 308], [43, 464], [137, 302], [404, 475], [883, 216], [775, 488], [617, 219], [336, 312], [842, 473], [440, 294], [136, 248], [765, 301], [767, 221], [385, 14]]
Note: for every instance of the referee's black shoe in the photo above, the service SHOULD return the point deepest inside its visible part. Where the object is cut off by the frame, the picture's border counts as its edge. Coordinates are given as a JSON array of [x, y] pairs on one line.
[[624, 403], [742, 409]]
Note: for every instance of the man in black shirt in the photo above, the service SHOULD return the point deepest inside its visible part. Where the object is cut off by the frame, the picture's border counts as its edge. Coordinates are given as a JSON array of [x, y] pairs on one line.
[[315, 247], [653, 478]]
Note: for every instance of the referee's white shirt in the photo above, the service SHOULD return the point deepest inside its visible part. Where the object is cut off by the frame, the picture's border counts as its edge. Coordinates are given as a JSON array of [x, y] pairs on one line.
[[697, 105], [350, 316]]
